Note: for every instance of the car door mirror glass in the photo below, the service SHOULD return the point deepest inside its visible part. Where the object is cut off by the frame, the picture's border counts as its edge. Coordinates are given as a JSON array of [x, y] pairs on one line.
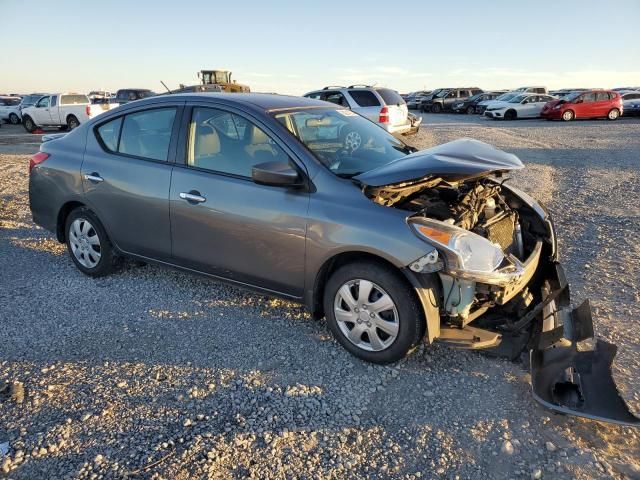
[[276, 173]]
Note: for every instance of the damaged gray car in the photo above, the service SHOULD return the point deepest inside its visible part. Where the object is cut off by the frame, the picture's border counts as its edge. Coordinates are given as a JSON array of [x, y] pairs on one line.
[[311, 202]]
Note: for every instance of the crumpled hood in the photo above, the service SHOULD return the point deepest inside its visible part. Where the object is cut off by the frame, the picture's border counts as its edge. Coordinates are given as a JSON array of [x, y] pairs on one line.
[[458, 160]]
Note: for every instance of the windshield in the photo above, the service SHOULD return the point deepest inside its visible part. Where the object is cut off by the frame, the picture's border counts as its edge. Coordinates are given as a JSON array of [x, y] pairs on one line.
[[442, 93], [506, 96], [518, 99], [474, 97], [346, 143]]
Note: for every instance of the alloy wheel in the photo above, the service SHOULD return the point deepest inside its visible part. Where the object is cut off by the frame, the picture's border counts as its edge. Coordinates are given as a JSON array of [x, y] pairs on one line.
[[567, 116], [613, 114], [85, 243], [366, 315], [14, 119]]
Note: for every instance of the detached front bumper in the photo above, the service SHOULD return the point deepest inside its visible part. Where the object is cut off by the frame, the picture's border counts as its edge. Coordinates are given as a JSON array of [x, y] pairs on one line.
[[565, 375], [552, 113]]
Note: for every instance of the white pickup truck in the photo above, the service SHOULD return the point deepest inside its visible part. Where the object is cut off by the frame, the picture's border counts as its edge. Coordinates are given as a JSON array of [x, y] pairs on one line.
[[65, 110]]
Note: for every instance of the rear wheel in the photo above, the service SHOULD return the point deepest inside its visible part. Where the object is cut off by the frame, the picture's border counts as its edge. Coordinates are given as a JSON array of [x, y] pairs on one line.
[[88, 243], [29, 124], [372, 312], [14, 119], [568, 115], [510, 115], [613, 114], [436, 108], [72, 122]]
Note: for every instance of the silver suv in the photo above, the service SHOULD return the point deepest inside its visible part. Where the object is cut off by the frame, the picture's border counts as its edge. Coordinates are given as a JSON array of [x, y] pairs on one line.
[[380, 105]]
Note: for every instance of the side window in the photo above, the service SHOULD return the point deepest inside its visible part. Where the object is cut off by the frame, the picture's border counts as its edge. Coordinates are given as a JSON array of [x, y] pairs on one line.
[[147, 134], [336, 97], [589, 97], [224, 142], [54, 100], [452, 94], [602, 96], [109, 134], [464, 93], [43, 102], [315, 96], [364, 98]]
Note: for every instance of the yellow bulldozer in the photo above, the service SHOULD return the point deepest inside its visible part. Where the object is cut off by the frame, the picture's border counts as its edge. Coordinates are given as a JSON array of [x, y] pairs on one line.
[[222, 78]]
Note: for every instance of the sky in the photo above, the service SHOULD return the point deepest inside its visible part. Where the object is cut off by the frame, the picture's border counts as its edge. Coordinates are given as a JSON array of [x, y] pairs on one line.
[[296, 46]]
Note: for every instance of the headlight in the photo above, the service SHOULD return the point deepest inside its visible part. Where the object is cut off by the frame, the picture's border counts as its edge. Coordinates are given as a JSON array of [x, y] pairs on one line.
[[462, 250], [557, 106]]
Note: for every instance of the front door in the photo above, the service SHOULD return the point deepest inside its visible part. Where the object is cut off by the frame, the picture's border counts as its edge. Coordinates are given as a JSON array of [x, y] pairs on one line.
[[41, 114], [126, 175], [224, 224]]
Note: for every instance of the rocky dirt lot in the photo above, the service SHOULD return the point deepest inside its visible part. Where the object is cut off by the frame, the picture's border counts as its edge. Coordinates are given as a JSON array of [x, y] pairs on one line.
[[151, 373]]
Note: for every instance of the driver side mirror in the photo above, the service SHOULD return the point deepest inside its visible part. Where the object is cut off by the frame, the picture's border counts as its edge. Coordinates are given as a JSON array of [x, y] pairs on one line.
[[277, 174]]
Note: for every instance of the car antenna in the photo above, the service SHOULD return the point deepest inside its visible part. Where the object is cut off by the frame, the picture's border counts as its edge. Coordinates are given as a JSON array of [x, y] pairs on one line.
[[165, 86]]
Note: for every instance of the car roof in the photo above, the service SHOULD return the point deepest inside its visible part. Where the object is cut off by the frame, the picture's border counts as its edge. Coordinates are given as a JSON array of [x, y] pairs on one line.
[[261, 101]]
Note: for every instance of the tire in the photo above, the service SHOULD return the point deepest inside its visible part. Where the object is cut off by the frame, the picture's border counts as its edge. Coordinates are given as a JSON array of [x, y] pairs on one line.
[[613, 114], [471, 110], [436, 108], [88, 243], [568, 115], [72, 122], [403, 321], [14, 119], [510, 115], [29, 125]]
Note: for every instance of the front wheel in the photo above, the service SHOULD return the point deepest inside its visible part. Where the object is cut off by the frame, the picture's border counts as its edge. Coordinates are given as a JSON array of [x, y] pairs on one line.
[[510, 115], [568, 115], [372, 312], [72, 122], [613, 114], [88, 243], [436, 108], [470, 110], [29, 124], [14, 119]]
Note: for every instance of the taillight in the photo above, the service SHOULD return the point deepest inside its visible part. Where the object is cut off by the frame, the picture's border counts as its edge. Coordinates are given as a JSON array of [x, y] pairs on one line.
[[384, 115], [37, 159], [88, 110]]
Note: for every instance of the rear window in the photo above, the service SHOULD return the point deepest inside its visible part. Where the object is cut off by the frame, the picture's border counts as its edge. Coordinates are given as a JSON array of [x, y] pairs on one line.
[[109, 133], [390, 97], [73, 99], [364, 98]]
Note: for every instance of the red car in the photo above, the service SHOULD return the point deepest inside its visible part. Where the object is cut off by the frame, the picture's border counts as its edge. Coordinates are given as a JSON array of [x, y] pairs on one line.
[[589, 104]]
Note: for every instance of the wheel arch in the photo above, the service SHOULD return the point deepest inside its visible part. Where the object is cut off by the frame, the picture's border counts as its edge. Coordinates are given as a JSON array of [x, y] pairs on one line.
[[418, 288], [63, 213], [72, 115], [511, 112]]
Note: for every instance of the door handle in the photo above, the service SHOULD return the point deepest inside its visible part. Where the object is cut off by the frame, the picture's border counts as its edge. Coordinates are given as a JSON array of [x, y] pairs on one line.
[[192, 197], [93, 177]]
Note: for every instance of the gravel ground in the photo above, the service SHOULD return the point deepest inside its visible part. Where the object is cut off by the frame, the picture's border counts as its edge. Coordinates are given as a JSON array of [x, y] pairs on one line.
[[151, 373]]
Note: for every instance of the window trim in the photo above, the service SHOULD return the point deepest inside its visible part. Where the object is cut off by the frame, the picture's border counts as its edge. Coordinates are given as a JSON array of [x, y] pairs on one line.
[[182, 151], [171, 152]]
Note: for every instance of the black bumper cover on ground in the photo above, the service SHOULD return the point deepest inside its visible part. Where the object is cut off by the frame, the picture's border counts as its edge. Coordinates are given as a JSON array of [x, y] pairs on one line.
[[576, 382]]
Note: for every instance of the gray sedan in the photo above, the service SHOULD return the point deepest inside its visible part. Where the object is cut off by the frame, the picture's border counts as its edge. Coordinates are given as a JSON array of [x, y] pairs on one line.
[[393, 246]]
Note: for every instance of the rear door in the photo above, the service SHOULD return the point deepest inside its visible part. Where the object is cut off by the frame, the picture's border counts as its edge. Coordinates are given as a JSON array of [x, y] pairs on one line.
[[602, 104], [223, 223], [398, 111], [127, 174]]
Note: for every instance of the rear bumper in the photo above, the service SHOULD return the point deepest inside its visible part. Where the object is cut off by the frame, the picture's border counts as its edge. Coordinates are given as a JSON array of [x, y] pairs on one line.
[[409, 128]]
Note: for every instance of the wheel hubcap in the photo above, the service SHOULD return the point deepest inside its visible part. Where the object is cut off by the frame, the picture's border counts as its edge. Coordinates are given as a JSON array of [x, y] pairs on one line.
[[366, 315], [567, 115], [613, 114], [85, 243]]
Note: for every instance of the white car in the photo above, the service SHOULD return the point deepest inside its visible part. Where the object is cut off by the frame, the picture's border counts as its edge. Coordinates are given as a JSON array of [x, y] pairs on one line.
[[526, 105], [66, 110], [505, 97], [380, 105], [10, 110]]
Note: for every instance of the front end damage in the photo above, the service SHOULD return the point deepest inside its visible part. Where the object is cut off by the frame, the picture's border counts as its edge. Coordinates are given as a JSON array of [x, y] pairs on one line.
[[501, 288]]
